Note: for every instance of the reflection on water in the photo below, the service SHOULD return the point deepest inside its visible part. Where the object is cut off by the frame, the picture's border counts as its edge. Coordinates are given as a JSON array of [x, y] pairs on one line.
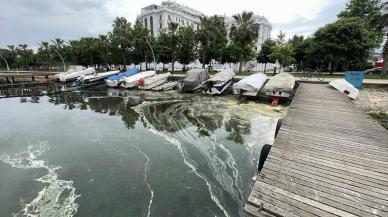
[[130, 153]]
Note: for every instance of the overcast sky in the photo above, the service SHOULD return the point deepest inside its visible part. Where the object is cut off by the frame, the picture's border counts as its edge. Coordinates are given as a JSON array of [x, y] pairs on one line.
[[32, 21]]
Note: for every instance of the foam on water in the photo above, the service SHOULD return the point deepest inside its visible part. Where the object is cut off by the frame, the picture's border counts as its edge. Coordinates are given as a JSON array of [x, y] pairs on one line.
[[58, 196]]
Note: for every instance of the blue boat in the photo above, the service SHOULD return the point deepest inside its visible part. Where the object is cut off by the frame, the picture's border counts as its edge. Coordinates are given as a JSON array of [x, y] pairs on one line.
[[114, 80]]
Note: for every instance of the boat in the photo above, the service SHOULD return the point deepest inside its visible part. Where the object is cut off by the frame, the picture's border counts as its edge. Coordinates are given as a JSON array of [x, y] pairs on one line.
[[280, 85], [218, 83], [154, 81], [251, 85], [115, 80], [88, 79], [193, 79], [132, 81], [168, 86], [68, 77], [345, 87]]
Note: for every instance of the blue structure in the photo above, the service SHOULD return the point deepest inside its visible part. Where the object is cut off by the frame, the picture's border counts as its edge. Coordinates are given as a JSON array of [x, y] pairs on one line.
[[355, 78], [128, 73]]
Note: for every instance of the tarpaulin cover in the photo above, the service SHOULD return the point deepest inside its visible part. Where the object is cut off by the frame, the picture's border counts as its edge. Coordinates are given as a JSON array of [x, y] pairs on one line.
[[124, 74], [194, 78], [283, 82], [221, 77], [252, 83]]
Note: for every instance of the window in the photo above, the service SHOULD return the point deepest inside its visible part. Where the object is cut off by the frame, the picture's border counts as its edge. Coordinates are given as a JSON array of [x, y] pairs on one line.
[[160, 17], [169, 18], [152, 26], [145, 22]]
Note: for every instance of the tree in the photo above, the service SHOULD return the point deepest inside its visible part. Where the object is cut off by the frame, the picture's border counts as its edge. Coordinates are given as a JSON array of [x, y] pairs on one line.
[[89, 49], [141, 43], [44, 52], [24, 54], [264, 55], [103, 49], [121, 38], [186, 51], [162, 51], [230, 54], [363, 9], [244, 34], [348, 42], [173, 42], [282, 51], [212, 38], [379, 21]]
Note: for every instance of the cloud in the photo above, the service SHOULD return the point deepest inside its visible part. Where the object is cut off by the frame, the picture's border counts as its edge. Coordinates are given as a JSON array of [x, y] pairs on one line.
[[33, 21]]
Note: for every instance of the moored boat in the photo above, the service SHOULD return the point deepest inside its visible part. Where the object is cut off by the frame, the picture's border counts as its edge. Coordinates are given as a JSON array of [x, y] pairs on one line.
[[168, 86], [251, 85], [193, 79], [115, 80], [154, 81], [132, 81], [68, 77], [218, 83], [88, 79], [345, 87], [280, 85]]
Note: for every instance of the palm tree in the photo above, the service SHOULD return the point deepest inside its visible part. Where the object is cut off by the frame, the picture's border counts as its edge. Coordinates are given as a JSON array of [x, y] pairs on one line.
[[103, 48], [58, 44], [173, 39], [44, 49], [244, 33], [24, 53]]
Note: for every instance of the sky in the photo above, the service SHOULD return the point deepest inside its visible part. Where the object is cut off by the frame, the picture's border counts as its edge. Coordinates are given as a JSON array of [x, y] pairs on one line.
[[33, 21]]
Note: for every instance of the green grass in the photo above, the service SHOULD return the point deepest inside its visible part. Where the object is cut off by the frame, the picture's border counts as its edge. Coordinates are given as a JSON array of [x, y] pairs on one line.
[[381, 117]]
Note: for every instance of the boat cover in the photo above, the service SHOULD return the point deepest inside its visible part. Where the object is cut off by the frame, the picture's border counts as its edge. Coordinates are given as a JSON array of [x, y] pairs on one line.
[[283, 82], [222, 77], [194, 78], [124, 74], [97, 76], [252, 83], [74, 75], [345, 87], [139, 76], [154, 79]]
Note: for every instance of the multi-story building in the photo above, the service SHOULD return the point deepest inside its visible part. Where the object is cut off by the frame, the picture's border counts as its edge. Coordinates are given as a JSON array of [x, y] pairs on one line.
[[156, 17]]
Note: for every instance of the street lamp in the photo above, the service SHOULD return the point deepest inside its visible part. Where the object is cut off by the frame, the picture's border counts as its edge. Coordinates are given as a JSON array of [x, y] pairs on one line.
[[64, 66], [5, 62], [149, 44]]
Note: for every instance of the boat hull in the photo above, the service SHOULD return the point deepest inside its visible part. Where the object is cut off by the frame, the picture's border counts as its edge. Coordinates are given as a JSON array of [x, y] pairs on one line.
[[217, 89]]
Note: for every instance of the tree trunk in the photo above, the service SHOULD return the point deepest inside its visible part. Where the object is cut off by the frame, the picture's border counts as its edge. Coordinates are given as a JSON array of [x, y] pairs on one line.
[[163, 67], [203, 59], [240, 61], [184, 67], [265, 67], [385, 57]]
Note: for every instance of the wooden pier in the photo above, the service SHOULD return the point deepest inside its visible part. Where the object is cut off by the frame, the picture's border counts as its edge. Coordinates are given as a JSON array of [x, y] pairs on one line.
[[329, 159]]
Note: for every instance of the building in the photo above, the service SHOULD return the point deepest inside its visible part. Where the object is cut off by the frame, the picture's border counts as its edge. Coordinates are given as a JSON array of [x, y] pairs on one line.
[[264, 33], [156, 17]]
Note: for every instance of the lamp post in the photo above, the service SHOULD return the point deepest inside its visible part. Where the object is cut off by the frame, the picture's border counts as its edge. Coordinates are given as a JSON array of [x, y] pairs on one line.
[[149, 44], [5, 62], [64, 66]]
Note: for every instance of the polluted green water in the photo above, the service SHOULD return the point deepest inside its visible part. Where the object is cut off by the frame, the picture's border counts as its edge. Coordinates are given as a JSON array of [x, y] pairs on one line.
[[109, 152]]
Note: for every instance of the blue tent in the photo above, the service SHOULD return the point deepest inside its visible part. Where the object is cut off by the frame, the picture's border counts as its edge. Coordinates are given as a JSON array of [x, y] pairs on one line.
[[124, 74]]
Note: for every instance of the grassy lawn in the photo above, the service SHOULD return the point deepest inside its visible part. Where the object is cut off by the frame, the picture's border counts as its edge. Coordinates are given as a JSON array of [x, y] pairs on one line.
[[381, 117]]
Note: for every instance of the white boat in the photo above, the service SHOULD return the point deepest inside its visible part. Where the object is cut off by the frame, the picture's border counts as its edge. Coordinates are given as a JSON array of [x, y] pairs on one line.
[[193, 79], [345, 87], [218, 83], [132, 81], [251, 85], [154, 81], [115, 80], [167, 86], [74, 75], [87, 79], [280, 85]]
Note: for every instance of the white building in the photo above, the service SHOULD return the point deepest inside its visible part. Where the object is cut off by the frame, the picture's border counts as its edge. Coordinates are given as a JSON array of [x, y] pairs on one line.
[[156, 17]]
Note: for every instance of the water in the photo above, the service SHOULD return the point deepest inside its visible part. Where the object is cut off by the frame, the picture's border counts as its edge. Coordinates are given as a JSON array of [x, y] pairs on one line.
[[109, 152]]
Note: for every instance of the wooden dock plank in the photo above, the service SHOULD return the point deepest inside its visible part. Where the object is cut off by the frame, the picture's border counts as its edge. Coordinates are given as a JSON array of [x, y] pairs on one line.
[[329, 159]]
